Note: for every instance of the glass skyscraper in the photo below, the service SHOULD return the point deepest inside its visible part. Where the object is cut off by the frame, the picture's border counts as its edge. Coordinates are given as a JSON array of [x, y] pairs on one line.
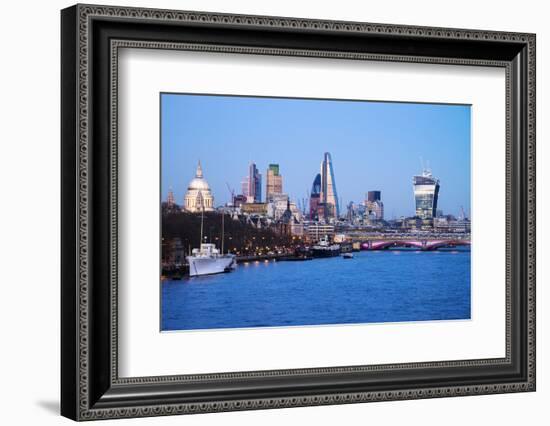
[[426, 193], [254, 184], [314, 198]]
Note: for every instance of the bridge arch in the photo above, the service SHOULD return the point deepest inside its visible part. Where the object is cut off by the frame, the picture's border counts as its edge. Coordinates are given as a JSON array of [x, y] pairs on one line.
[[425, 245]]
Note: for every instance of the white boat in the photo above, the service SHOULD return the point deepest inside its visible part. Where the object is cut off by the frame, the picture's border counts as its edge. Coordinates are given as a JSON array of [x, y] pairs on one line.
[[208, 260]]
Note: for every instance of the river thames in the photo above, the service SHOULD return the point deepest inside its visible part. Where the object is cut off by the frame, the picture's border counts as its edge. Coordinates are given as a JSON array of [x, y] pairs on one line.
[[373, 287]]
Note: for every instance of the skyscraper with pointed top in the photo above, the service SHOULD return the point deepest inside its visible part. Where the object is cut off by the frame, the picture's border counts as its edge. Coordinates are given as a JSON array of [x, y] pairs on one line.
[[329, 196]]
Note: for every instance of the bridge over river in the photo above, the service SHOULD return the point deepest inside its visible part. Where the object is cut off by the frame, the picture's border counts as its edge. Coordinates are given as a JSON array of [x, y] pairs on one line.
[[418, 243]]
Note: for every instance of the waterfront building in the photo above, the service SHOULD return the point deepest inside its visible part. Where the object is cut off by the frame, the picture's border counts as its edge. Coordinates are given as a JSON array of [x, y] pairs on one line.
[[415, 224], [259, 209], [374, 207], [254, 184], [451, 225], [277, 205], [341, 238], [315, 230], [172, 253], [285, 222], [239, 200], [282, 210], [274, 182], [322, 212], [289, 223], [426, 193], [297, 229], [198, 195], [314, 198], [328, 193], [296, 212]]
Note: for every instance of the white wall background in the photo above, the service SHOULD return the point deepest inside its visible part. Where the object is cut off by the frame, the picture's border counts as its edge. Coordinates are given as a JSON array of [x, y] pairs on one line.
[[29, 214]]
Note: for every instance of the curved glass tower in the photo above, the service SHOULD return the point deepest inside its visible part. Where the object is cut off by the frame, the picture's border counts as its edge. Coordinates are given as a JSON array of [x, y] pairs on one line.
[[314, 198], [426, 192]]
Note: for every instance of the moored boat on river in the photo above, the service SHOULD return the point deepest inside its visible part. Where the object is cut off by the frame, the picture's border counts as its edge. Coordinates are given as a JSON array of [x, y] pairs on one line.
[[325, 249], [207, 259]]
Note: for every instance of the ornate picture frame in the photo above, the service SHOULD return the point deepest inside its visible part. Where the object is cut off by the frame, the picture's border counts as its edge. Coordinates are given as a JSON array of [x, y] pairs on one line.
[[91, 37]]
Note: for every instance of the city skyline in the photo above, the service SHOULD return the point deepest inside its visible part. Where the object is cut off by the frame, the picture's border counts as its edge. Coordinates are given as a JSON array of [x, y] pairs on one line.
[[374, 146]]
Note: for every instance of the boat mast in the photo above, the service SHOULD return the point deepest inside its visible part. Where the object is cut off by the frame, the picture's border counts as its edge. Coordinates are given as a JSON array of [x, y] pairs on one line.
[[223, 234], [202, 216]]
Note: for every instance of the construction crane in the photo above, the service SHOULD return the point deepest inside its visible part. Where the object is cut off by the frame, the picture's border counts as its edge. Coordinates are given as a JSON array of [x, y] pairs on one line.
[[462, 215], [232, 192]]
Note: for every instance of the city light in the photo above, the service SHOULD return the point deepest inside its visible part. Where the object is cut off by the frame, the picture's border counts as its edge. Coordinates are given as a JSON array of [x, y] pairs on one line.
[[303, 228]]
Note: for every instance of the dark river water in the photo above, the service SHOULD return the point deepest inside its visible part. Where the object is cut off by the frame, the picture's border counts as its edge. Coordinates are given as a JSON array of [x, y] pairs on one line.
[[375, 286]]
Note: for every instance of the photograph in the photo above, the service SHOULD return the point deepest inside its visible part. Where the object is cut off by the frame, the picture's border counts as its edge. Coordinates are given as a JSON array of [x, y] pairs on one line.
[[284, 212]]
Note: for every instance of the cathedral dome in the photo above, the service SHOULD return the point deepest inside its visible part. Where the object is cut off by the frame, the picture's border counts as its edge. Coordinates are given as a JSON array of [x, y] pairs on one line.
[[199, 182], [198, 196]]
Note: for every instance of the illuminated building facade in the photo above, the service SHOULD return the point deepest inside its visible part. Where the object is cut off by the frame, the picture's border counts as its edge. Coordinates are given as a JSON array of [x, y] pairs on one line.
[[426, 193], [198, 195]]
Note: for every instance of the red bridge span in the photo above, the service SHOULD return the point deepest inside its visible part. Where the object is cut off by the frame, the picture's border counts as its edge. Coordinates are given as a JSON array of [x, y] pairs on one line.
[[426, 245]]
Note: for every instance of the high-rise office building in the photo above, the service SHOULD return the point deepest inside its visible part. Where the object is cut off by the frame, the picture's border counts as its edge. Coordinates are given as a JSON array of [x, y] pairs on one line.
[[329, 195], [426, 193], [274, 182], [252, 185], [374, 196], [374, 207], [244, 187], [314, 198]]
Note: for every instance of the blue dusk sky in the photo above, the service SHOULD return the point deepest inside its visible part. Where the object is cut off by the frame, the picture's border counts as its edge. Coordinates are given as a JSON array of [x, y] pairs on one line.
[[374, 146]]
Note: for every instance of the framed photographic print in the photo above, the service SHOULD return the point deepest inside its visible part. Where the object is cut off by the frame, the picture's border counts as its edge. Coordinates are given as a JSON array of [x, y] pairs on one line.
[[263, 212]]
